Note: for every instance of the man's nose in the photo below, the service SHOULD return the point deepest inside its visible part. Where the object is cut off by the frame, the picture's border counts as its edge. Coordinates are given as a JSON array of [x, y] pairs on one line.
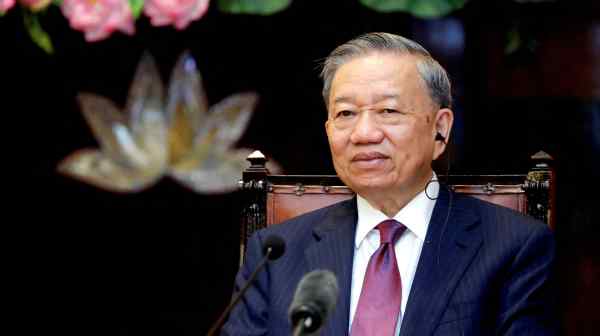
[[366, 130]]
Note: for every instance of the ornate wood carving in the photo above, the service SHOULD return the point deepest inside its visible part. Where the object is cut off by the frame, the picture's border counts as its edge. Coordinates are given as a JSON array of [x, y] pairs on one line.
[[253, 186], [540, 189]]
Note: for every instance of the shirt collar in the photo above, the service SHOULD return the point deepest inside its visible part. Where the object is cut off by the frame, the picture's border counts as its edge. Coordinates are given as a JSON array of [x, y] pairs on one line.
[[415, 215]]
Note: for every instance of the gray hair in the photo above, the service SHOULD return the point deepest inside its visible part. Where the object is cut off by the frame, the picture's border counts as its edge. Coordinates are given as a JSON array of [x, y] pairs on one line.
[[432, 73]]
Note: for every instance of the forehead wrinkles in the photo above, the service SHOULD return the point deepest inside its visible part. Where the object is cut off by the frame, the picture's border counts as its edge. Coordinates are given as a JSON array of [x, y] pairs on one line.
[[376, 66], [375, 77]]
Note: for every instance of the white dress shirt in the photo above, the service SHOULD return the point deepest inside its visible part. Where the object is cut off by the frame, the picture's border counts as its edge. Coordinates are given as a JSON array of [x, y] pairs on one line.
[[415, 216]]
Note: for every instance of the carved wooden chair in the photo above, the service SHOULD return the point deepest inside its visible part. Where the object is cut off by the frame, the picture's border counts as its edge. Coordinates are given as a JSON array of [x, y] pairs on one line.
[[271, 199]]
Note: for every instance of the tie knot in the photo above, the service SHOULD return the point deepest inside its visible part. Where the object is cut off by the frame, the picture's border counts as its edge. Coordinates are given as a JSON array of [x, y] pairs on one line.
[[390, 230]]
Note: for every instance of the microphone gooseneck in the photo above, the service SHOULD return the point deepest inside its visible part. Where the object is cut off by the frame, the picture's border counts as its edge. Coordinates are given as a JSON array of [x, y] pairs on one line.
[[313, 302], [273, 248]]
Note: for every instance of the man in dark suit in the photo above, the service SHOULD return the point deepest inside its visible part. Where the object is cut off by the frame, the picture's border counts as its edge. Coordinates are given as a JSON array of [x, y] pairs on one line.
[[410, 257]]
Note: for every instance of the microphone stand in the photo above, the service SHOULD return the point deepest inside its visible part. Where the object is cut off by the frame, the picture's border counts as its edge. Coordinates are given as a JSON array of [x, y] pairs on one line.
[[300, 328], [239, 295]]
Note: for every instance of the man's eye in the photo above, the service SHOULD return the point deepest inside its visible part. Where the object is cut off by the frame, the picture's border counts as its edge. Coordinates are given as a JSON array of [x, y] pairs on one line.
[[345, 113], [387, 110]]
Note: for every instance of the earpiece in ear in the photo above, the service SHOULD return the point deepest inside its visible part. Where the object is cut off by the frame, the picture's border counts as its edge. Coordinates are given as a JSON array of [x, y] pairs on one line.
[[440, 137]]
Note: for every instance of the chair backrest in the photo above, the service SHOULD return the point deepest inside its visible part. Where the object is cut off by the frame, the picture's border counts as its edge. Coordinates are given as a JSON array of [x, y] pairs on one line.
[[272, 199]]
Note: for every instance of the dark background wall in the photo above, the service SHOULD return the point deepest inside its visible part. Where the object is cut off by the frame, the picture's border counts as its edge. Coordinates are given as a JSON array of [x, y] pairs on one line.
[[162, 262]]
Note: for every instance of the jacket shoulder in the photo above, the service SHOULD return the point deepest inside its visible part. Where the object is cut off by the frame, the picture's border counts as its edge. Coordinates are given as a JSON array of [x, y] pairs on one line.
[[500, 219]]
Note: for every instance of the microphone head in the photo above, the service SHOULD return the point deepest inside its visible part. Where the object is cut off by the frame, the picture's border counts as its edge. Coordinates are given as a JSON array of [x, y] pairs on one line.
[[276, 245], [315, 298]]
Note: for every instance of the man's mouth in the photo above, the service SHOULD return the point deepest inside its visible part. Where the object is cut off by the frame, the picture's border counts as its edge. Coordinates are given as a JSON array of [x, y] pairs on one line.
[[369, 160], [369, 156]]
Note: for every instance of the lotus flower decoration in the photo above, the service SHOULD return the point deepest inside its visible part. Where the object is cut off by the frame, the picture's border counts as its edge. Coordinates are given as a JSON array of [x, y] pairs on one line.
[[155, 136]]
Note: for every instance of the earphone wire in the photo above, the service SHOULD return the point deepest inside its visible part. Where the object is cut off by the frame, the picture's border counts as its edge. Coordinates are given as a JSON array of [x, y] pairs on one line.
[[450, 199]]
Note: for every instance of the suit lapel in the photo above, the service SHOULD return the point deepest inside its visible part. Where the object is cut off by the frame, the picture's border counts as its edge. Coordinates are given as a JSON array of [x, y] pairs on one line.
[[453, 239], [333, 249]]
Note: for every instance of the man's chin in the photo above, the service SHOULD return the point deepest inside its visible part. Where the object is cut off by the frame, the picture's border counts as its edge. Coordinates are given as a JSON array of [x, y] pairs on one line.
[[368, 185]]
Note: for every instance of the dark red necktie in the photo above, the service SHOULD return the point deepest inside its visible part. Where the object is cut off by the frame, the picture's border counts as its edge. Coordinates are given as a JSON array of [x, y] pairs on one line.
[[381, 295]]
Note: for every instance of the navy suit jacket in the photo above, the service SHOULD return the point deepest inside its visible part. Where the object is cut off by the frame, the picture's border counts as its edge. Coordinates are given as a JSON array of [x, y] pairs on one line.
[[483, 270]]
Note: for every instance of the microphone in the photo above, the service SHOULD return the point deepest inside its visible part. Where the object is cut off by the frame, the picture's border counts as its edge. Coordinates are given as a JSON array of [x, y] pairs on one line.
[[314, 300], [273, 248]]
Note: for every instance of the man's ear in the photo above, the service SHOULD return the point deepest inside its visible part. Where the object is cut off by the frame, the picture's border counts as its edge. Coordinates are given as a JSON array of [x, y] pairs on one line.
[[444, 118]]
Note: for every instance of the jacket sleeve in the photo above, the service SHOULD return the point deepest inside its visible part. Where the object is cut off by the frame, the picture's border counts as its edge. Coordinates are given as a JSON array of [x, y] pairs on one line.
[[528, 297], [250, 316]]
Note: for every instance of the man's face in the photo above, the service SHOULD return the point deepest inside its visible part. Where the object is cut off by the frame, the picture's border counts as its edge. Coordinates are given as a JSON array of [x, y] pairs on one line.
[[381, 125]]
